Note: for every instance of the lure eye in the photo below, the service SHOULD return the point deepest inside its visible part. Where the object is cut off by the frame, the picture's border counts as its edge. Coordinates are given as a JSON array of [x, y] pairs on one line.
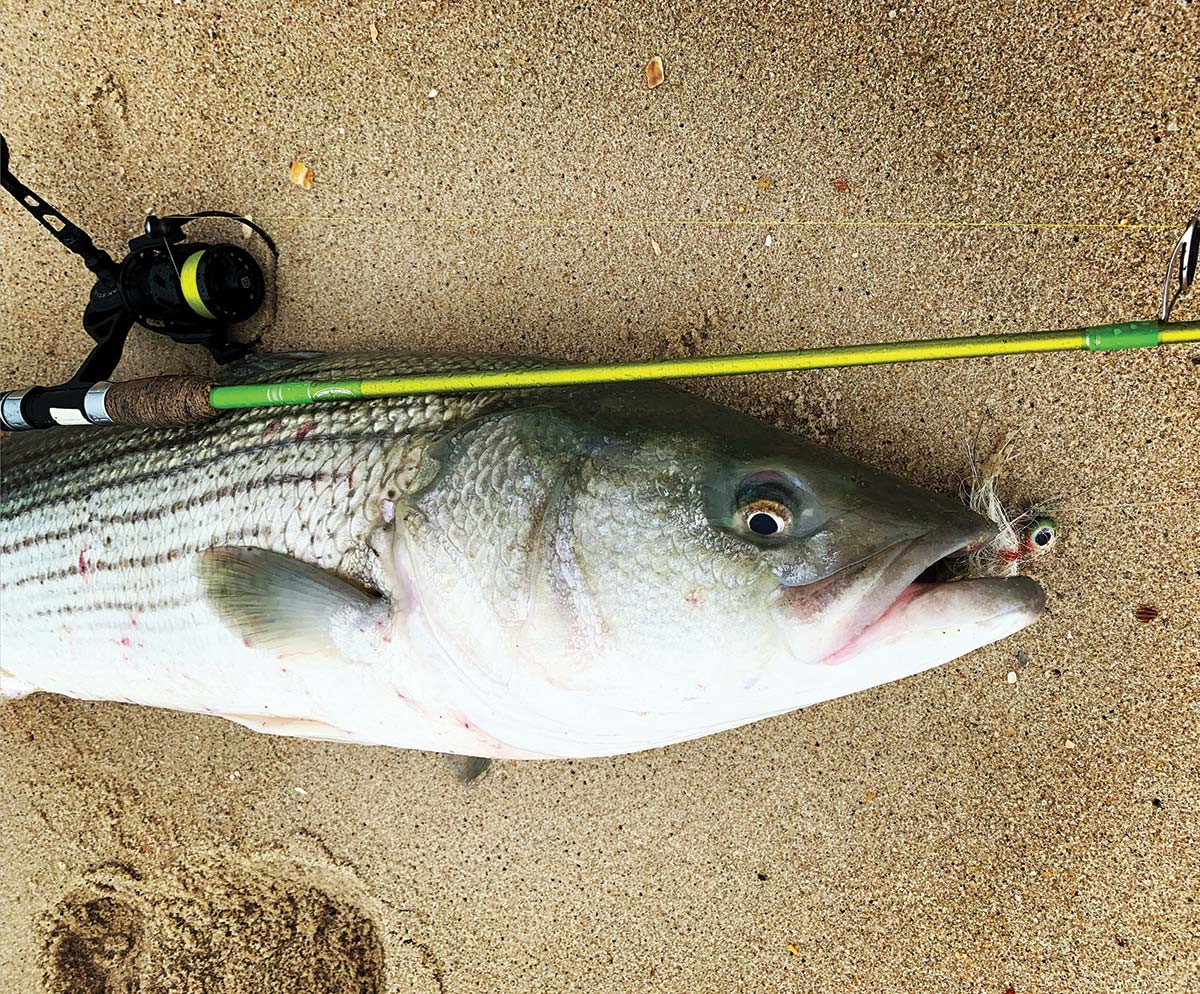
[[1041, 535], [767, 517]]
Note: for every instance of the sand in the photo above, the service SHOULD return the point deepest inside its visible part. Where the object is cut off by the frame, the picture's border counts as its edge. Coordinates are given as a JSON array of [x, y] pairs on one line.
[[954, 832]]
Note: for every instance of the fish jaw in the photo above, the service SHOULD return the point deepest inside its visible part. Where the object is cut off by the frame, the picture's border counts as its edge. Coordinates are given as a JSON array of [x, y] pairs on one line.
[[818, 619], [928, 625], [891, 625]]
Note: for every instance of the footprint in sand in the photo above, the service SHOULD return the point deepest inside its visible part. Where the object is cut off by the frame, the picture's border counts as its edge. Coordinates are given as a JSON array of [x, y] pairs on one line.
[[217, 929], [107, 105], [94, 945]]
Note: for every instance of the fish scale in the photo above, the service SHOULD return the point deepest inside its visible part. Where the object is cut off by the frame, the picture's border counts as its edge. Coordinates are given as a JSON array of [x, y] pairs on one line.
[[89, 516], [560, 573]]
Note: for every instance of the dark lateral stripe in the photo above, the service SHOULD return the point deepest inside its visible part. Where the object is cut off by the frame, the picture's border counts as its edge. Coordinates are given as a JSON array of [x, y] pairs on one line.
[[64, 457], [154, 513], [132, 607], [90, 490], [108, 450], [59, 461], [135, 562]]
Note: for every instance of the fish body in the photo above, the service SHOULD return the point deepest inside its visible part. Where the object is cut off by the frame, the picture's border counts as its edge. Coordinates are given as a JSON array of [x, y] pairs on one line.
[[572, 572]]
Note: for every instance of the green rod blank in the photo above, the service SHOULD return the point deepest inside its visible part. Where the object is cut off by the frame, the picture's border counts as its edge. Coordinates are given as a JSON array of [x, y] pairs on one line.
[[1100, 338]]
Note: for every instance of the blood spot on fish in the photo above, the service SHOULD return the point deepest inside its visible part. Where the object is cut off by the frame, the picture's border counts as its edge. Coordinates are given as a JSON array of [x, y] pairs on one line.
[[133, 621], [695, 596], [126, 641], [350, 480], [83, 564], [248, 642], [304, 429], [271, 429]]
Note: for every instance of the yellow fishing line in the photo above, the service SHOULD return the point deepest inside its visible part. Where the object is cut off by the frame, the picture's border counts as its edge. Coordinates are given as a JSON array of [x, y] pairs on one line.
[[701, 222]]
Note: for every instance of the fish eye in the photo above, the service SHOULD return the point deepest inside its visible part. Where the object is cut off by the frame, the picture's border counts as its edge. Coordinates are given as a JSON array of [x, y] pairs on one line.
[[1041, 534], [767, 517]]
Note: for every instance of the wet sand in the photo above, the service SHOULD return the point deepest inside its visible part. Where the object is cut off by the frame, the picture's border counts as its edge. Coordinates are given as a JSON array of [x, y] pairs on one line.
[[502, 179]]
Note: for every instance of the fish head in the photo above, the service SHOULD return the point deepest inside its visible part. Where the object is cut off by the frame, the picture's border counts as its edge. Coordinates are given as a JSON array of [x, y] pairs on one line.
[[674, 568]]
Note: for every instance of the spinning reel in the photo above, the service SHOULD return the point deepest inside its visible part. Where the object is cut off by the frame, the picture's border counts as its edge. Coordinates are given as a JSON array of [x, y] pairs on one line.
[[191, 292]]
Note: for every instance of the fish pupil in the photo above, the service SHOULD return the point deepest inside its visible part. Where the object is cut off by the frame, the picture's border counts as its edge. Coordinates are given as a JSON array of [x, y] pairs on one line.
[[1043, 536], [762, 523]]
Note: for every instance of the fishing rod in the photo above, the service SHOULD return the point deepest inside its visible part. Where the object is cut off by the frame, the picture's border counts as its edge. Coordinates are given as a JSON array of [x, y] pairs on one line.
[[183, 399], [191, 292]]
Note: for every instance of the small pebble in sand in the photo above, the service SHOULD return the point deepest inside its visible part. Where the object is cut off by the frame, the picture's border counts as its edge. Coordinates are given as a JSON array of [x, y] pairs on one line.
[[657, 248], [301, 175], [767, 241], [654, 72], [374, 32], [1068, 744], [301, 791], [433, 93], [1012, 676], [793, 950]]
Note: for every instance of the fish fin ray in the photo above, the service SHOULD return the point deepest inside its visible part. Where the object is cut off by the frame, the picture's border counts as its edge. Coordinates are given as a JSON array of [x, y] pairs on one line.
[[286, 606], [468, 769], [312, 729]]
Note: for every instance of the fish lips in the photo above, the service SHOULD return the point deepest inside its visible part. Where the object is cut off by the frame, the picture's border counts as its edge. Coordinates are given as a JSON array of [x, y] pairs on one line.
[[879, 602]]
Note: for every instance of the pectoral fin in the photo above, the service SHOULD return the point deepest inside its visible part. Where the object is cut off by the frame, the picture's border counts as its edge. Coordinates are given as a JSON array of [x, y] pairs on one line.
[[288, 607], [468, 769]]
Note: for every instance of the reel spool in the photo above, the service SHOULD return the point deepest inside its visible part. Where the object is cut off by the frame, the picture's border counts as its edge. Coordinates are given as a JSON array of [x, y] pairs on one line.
[[191, 292]]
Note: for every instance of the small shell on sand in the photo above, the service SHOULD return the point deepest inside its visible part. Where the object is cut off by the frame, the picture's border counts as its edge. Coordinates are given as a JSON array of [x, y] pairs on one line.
[[654, 72], [300, 175]]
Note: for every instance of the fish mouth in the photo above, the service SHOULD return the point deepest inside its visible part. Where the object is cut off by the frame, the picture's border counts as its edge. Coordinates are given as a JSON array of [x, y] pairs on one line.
[[894, 613]]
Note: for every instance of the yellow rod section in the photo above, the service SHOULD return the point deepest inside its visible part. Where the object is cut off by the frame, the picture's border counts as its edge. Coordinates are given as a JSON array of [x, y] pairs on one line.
[[731, 365], [1100, 338]]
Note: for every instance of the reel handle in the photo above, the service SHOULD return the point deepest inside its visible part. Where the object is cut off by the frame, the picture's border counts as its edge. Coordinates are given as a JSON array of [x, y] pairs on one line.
[[70, 235]]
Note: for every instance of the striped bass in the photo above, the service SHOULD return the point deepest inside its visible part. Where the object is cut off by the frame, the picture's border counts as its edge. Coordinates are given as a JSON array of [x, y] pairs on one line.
[[574, 572]]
